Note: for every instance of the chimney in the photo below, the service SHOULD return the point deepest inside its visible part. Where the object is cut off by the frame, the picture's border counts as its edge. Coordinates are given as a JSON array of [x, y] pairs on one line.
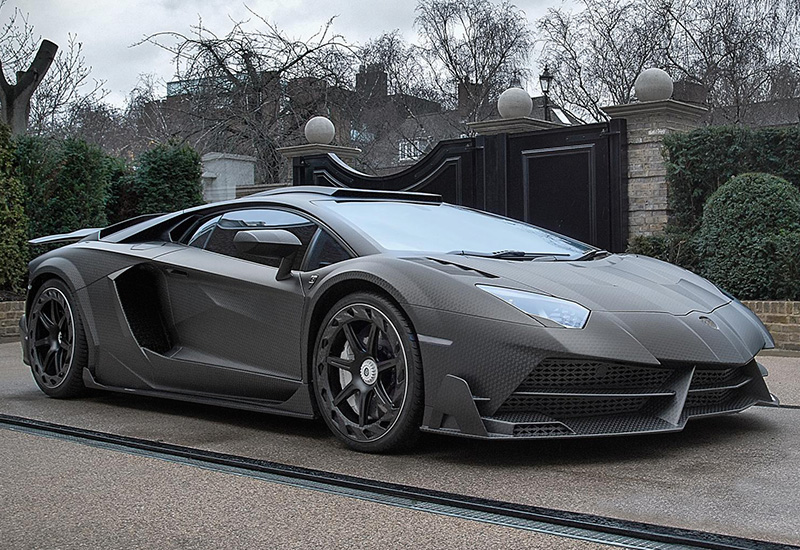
[[372, 82], [690, 92]]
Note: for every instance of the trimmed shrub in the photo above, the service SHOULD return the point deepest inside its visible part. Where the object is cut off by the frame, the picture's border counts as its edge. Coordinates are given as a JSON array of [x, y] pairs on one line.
[[699, 162], [167, 178], [65, 181], [13, 222], [750, 238]]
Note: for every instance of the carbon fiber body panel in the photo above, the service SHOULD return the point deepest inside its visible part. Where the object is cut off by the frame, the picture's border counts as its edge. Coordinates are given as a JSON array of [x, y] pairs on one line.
[[661, 346]]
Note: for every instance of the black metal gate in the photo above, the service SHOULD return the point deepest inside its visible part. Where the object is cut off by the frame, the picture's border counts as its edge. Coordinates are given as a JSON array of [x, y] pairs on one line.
[[571, 180]]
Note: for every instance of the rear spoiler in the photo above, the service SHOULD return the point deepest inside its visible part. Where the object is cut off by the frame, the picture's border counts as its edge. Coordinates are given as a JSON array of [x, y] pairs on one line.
[[93, 233], [90, 234]]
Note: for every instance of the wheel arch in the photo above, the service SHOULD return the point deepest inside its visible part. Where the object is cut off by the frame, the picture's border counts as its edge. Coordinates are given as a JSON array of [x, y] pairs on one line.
[[332, 293], [64, 271]]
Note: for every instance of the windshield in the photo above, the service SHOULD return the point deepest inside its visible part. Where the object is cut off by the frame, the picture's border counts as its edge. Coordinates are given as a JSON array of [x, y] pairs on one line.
[[405, 226]]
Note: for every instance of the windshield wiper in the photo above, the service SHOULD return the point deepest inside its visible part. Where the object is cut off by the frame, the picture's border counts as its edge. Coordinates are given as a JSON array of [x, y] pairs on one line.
[[592, 254], [506, 254]]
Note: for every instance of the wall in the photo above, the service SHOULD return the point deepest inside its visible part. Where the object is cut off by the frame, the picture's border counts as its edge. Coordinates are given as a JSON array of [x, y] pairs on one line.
[[10, 312], [782, 320]]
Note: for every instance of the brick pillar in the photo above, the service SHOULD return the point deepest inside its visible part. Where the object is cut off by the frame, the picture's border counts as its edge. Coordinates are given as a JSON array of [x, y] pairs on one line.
[[648, 122]]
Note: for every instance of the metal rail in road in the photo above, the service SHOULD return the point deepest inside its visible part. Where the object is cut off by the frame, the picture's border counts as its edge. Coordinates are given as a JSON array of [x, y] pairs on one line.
[[604, 530]]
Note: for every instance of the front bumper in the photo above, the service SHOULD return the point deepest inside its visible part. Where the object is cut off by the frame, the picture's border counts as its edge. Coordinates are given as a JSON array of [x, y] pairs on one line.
[[622, 374], [585, 398]]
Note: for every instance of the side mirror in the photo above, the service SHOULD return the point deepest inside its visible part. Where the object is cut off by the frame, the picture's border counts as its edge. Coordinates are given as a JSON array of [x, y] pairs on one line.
[[270, 243]]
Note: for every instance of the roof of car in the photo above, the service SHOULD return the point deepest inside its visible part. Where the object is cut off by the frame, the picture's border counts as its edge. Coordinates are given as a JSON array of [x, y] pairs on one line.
[[348, 193]]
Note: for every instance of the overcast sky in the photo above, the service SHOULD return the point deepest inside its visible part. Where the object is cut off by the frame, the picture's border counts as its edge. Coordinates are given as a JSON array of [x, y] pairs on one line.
[[108, 28]]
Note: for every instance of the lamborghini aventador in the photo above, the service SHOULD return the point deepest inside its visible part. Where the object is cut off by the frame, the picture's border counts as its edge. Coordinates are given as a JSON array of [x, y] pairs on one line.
[[386, 314]]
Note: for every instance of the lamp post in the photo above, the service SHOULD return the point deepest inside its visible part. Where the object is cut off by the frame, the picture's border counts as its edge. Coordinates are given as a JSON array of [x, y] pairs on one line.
[[545, 79]]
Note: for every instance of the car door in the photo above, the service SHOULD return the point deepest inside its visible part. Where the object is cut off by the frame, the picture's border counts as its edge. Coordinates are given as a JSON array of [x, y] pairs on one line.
[[237, 329]]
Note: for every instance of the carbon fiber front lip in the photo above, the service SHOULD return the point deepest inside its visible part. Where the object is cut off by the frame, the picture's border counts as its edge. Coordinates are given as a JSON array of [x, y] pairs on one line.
[[655, 426]]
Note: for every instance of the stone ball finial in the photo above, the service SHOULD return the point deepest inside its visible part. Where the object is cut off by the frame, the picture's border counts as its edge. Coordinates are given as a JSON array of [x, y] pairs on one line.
[[320, 130], [514, 103], [653, 85]]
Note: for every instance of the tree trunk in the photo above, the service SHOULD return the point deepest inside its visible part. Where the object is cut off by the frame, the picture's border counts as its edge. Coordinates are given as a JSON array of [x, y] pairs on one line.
[[15, 100]]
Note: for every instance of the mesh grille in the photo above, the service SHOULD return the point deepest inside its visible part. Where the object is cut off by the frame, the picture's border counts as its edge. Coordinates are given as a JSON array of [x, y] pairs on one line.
[[577, 375], [560, 407], [737, 402], [540, 430], [708, 378], [522, 417], [588, 377], [708, 398]]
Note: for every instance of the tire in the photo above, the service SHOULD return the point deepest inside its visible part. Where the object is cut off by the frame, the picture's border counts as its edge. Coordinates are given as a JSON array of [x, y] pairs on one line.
[[57, 341], [367, 375]]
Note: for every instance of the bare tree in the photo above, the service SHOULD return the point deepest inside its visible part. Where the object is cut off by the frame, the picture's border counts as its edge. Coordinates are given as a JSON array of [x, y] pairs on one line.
[[406, 73], [51, 95], [738, 51], [599, 51], [475, 47], [250, 91], [394, 94], [16, 98]]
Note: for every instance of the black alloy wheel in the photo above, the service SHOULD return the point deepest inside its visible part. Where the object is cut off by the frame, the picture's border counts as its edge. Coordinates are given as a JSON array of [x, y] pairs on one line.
[[367, 374], [56, 341]]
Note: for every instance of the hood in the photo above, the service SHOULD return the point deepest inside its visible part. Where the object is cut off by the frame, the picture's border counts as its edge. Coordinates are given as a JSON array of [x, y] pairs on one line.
[[617, 283]]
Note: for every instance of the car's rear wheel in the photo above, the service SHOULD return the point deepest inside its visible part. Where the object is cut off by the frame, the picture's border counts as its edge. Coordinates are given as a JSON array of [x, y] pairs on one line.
[[57, 341], [367, 374]]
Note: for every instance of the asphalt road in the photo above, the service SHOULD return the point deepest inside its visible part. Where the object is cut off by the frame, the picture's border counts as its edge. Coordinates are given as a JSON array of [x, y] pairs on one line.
[[736, 475], [58, 494]]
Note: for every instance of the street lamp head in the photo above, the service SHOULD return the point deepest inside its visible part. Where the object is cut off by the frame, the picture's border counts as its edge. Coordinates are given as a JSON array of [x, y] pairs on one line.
[[545, 79]]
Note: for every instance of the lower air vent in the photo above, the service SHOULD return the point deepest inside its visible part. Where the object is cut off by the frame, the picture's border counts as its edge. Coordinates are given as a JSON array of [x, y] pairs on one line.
[[541, 430], [709, 378], [708, 398], [577, 374], [570, 407]]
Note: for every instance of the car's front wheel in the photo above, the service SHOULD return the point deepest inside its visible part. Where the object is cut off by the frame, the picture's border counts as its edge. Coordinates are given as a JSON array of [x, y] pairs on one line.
[[57, 341], [367, 374]]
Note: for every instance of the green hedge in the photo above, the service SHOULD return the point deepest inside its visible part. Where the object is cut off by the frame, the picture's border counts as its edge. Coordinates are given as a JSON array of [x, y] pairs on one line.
[[699, 162], [13, 222], [50, 186], [168, 178], [678, 248], [749, 239], [165, 178], [65, 181]]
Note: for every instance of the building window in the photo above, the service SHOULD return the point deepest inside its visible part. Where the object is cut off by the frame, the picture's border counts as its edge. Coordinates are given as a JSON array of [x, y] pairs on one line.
[[412, 149]]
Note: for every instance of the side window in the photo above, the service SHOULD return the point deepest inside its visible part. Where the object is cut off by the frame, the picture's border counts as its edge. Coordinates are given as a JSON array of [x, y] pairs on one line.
[[226, 227], [200, 236], [325, 250]]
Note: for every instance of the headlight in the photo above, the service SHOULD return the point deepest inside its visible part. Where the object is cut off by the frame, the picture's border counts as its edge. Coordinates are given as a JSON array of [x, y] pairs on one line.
[[563, 312]]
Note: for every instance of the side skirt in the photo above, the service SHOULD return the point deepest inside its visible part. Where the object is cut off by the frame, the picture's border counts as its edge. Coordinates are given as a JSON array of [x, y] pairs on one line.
[[292, 407]]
